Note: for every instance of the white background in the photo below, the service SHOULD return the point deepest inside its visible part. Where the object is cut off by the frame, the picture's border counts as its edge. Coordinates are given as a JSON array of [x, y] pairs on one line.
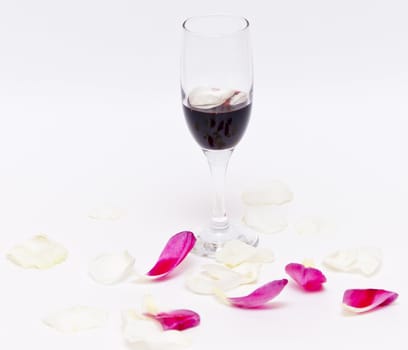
[[90, 116]]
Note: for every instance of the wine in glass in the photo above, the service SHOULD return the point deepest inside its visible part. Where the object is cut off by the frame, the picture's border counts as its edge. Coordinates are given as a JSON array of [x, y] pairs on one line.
[[216, 84]]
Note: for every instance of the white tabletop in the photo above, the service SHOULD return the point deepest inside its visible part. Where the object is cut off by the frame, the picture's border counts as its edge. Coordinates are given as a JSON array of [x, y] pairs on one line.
[[91, 117]]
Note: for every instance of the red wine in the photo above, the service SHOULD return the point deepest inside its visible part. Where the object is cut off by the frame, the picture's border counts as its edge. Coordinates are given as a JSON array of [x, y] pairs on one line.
[[219, 127]]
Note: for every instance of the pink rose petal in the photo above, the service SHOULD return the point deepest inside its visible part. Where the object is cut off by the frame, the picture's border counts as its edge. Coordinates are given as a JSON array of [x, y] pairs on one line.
[[173, 253], [177, 319], [308, 278], [259, 296], [362, 300]]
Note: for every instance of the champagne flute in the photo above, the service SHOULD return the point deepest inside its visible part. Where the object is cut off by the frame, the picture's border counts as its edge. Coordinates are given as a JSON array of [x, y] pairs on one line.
[[216, 87]]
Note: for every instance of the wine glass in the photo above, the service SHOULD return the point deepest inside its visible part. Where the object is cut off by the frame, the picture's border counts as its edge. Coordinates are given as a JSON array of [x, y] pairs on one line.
[[216, 87]]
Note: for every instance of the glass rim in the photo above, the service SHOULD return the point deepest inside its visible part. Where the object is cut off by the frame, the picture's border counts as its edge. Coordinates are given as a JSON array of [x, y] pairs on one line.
[[245, 25]]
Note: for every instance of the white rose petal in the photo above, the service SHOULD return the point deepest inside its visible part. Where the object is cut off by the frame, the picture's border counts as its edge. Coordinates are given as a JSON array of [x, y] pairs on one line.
[[249, 272], [276, 192], [219, 272], [265, 218], [238, 98], [38, 252], [200, 283], [215, 277], [149, 305], [236, 252], [223, 277], [341, 260], [221, 296], [203, 283], [369, 260], [111, 268], [206, 98], [356, 310], [362, 260], [308, 262], [76, 319], [143, 333]]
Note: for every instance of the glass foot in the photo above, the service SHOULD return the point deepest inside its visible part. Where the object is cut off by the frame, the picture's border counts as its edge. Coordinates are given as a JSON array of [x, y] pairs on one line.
[[209, 241]]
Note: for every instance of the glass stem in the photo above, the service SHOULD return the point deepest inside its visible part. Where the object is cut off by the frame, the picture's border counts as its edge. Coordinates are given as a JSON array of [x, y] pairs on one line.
[[218, 162]]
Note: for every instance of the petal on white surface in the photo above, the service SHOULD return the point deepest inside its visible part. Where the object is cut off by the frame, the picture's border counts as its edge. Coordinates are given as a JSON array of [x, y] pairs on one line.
[[249, 272], [236, 252], [265, 219], [111, 268], [219, 272], [38, 252], [200, 283], [223, 277], [308, 262], [341, 260], [363, 260], [221, 296], [143, 333], [369, 260], [106, 213], [275, 192], [213, 277], [206, 97], [77, 318], [149, 305]]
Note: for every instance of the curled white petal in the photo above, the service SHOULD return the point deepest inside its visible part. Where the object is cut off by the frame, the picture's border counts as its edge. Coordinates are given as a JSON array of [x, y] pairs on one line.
[[223, 277], [111, 268], [144, 333], [206, 97], [38, 252], [265, 218], [222, 298], [77, 318], [363, 260], [308, 262], [149, 305], [215, 277], [341, 260], [249, 272], [276, 193], [356, 310], [202, 283], [219, 272], [236, 252], [239, 98], [369, 260]]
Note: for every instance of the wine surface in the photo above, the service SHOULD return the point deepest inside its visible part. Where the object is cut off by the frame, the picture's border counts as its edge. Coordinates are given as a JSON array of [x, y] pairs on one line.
[[218, 127]]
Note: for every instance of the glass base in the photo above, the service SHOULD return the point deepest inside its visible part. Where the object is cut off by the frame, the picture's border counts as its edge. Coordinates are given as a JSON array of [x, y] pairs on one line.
[[209, 241]]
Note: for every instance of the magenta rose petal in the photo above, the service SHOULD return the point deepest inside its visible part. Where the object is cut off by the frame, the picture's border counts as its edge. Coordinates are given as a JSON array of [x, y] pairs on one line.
[[175, 251], [176, 319], [362, 300], [309, 278], [259, 296]]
